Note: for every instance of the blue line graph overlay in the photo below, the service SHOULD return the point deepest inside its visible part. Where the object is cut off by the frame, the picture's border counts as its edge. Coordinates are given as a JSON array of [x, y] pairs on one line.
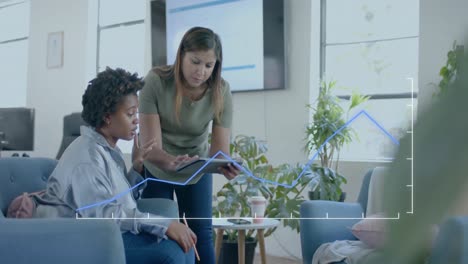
[[246, 171]]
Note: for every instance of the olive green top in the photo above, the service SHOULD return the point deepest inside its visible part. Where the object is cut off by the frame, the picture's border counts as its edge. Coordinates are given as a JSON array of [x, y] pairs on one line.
[[190, 134]]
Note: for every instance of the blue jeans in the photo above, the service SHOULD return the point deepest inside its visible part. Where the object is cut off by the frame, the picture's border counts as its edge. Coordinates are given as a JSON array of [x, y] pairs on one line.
[[145, 249], [196, 202]]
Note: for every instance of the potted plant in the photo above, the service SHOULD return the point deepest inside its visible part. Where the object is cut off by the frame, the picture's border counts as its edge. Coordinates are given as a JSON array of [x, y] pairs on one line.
[[326, 184], [283, 201], [329, 116]]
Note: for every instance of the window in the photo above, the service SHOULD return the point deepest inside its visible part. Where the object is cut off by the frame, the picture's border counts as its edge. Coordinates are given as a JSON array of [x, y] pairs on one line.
[[14, 33], [371, 47], [121, 35]]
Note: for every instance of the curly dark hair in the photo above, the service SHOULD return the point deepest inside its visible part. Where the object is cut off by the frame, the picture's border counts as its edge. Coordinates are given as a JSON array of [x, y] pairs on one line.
[[105, 92]]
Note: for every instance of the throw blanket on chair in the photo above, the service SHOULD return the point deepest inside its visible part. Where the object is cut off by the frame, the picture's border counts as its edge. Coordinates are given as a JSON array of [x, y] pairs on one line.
[[349, 251]]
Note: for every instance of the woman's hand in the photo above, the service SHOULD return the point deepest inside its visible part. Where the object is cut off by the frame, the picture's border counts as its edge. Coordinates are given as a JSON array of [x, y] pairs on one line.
[[180, 160], [230, 171], [182, 235], [139, 153]]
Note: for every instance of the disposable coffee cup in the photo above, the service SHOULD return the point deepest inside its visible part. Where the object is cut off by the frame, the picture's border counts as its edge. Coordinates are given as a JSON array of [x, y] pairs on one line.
[[257, 208]]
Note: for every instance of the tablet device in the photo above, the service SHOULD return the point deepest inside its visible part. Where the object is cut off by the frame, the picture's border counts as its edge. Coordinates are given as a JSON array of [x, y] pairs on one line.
[[211, 167]]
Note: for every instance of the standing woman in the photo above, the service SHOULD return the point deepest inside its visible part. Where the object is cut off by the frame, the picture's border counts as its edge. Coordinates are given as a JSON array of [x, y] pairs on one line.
[[177, 104]]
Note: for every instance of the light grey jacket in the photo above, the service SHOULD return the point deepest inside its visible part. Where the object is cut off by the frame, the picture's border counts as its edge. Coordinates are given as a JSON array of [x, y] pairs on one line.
[[92, 175]]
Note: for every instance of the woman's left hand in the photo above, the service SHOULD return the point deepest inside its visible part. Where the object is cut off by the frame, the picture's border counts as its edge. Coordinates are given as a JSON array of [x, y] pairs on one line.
[[230, 171], [139, 153]]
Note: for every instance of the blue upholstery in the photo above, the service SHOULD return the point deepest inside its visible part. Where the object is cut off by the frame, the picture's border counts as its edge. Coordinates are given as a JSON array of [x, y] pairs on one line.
[[18, 175], [364, 192], [159, 206], [315, 232], [451, 245], [60, 240]]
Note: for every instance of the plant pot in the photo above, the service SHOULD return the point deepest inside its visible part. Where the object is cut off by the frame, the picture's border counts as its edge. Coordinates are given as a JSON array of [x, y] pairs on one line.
[[229, 253], [315, 195]]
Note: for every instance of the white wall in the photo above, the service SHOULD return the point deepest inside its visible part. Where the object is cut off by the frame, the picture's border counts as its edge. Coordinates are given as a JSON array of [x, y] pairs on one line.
[[55, 93], [441, 22]]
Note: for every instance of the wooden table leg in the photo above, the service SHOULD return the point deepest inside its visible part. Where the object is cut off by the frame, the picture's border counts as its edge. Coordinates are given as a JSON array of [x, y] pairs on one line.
[[241, 246], [218, 243], [261, 242]]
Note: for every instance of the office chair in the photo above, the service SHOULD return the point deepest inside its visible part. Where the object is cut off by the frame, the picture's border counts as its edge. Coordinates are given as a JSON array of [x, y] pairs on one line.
[[71, 130]]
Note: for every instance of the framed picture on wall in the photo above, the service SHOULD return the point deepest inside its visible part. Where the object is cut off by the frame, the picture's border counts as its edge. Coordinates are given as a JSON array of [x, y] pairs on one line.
[[55, 50]]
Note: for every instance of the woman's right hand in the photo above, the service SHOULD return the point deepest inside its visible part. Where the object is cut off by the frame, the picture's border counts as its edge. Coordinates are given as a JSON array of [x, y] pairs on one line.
[[179, 160], [182, 235]]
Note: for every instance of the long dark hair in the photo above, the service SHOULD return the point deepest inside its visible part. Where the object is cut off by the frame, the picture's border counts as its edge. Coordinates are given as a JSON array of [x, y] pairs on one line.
[[196, 39]]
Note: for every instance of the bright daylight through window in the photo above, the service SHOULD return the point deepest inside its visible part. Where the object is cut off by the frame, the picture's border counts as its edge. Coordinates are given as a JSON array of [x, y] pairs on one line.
[[371, 47]]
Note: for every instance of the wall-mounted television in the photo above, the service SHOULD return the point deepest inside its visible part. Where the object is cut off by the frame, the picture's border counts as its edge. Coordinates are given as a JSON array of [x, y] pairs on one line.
[[251, 32], [16, 129]]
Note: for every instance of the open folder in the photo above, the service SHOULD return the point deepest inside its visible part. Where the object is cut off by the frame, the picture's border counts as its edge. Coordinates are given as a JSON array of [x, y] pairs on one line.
[[211, 166]]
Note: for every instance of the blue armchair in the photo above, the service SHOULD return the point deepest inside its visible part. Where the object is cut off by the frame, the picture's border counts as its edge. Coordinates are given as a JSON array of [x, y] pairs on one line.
[[450, 246], [315, 232], [60, 240]]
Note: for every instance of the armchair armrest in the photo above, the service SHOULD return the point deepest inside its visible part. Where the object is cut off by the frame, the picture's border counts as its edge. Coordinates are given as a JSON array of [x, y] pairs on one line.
[[318, 229], [159, 206], [60, 240]]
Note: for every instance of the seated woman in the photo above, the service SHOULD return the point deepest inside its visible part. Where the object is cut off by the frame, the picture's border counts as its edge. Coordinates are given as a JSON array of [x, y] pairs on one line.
[[92, 170]]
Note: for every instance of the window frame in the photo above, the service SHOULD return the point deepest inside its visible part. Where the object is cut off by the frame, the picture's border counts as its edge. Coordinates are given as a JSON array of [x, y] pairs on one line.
[[321, 67], [323, 57], [19, 40], [100, 29]]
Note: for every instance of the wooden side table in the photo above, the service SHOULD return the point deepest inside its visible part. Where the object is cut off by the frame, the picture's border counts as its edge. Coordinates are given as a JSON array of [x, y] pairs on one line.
[[222, 224]]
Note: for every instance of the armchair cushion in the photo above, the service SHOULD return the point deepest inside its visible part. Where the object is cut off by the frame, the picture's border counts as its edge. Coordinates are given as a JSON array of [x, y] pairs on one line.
[[19, 175], [159, 206], [61, 240], [371, 230]]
